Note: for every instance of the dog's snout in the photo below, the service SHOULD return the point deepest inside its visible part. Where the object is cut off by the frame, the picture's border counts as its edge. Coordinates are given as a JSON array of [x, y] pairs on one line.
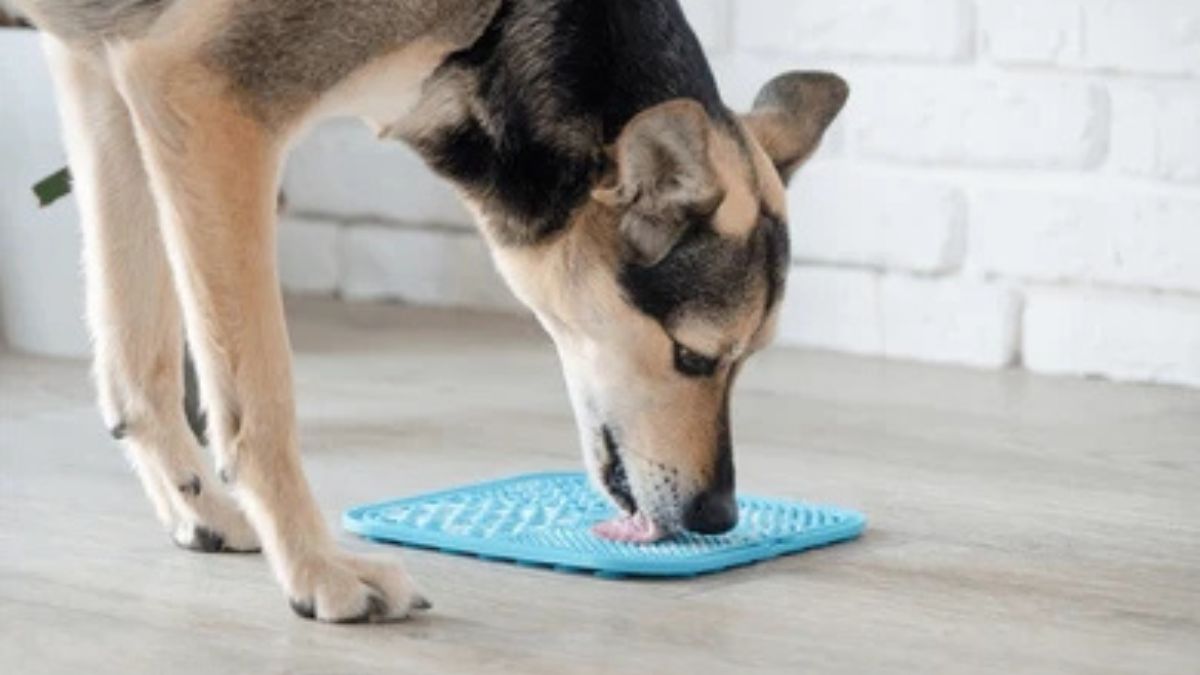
[[713, 511]]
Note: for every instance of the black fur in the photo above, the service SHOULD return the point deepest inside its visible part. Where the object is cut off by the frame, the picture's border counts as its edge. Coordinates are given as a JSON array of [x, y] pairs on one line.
[[714, 510], [204, 540], [557, 81], [281, 55], [191, 487], [723, 475], [197, 420], [303, 608], [616, 479], [778, 256], [706, 273], [376, 608]]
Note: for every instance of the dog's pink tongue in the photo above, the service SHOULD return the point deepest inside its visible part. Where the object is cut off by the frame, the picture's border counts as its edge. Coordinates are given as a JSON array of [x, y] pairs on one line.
[[635, 529]]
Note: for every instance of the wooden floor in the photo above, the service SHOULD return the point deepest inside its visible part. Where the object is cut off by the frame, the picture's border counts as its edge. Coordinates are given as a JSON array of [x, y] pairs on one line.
[[1018, 524]]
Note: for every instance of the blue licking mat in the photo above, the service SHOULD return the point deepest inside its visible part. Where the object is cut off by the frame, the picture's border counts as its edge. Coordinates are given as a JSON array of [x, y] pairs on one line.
[[546, 519]]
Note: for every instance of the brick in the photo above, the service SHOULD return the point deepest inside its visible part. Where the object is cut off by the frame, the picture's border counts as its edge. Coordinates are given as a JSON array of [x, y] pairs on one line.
[[949, 321], [710, 19], [308, 255], [940, 320], [830, 308], [848, 214], [421, 266], [1156, 131], [342, 170], [1160, 37], [935, 30], [1031, 31], [1122, 239], [1121, 335], [960, 119]]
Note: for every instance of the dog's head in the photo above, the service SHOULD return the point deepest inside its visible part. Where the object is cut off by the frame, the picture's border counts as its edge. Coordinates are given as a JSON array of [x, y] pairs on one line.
[[667, 282]]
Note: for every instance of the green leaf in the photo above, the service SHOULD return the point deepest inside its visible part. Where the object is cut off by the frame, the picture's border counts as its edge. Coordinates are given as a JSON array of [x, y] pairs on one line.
[[53, 187]]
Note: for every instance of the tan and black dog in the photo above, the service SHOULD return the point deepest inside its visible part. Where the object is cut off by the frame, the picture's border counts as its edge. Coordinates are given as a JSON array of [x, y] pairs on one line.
[[641, 220]]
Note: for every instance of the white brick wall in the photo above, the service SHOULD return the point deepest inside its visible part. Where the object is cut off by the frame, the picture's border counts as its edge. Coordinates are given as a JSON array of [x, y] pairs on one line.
[[1119, 334], [1156, 131], [1014, 182], [310, 259], [901, 316], [936, 30], [962, 118], [1147, 242], [1139, 37], [1030, 31], [425, 267], [833, 308], [886, 220], [342, 170], [948, 321], [1160, 37]]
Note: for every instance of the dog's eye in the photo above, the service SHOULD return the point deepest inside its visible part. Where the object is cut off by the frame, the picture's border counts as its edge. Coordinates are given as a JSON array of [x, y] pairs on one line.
[[694, 364]]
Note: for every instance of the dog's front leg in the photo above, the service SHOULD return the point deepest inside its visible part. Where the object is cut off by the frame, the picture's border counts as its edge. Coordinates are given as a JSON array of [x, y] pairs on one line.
[[132, 311], [214, 171]]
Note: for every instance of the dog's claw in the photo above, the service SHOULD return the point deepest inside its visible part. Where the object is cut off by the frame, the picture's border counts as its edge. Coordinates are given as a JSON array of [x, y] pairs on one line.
[[421, 603], [304, 610], [377, 610], [338, 588], [199, 539]]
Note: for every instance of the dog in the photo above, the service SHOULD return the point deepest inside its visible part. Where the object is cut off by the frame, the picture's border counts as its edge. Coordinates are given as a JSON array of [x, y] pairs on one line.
[[641, 220]]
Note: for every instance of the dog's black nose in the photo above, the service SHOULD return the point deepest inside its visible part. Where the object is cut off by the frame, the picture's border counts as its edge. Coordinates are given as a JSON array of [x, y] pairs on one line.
[[711, 512]]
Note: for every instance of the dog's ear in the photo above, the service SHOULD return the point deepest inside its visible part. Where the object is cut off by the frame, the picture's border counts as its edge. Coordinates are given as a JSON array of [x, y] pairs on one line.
[[664, 177], [792, 113]]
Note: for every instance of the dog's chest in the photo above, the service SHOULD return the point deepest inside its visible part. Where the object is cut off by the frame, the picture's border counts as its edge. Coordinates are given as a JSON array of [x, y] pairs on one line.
[[387, 90]]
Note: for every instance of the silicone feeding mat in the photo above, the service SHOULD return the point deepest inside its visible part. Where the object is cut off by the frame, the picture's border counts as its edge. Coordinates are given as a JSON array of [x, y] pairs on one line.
[[545, 519]]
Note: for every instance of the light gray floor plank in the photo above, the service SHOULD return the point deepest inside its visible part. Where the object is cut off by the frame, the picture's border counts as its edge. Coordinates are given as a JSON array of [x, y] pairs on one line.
[[1018, 524]]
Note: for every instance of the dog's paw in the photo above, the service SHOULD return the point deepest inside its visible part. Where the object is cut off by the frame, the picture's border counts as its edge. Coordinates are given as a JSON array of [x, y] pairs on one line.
[[205, 539], [339, 588], [220, 528]]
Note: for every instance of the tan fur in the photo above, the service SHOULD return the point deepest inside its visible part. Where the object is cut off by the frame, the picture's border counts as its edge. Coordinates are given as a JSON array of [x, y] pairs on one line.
[[770, 184], [663, 173], [132, 311], [791, 114], [437, 106], [617, 362], [738, 214], [213, 167], [177, 176], [619, 359], [772, 192], [384, 92], [174, 171]]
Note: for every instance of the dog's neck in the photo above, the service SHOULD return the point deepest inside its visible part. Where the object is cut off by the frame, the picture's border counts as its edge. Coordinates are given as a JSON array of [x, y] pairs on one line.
[[550, 85]]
